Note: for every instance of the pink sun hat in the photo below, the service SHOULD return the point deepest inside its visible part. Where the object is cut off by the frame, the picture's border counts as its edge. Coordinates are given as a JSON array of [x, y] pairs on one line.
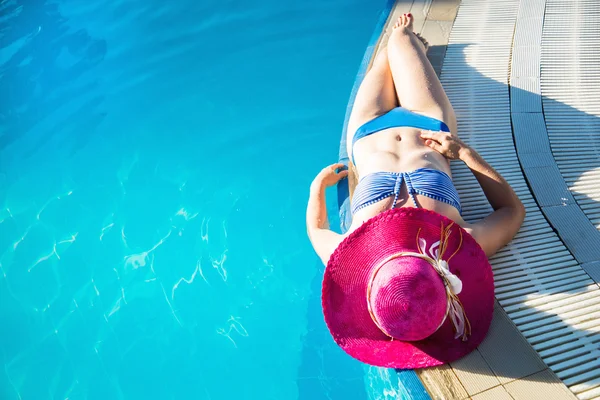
[[408, 289]]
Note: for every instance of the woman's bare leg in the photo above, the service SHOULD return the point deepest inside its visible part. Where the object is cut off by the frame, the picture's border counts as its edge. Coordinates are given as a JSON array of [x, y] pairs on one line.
[[376, 96], [417, 86]]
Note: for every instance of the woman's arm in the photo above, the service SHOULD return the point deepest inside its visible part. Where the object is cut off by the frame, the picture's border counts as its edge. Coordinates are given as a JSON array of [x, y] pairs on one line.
[[497, 229], [324, 241]]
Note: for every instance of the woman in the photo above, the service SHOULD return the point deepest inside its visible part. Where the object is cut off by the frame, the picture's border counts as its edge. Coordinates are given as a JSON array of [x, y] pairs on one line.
[[401, 136]]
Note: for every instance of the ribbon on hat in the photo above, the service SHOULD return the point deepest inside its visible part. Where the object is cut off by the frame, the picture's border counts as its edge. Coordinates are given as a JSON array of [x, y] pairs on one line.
[[452, 283]]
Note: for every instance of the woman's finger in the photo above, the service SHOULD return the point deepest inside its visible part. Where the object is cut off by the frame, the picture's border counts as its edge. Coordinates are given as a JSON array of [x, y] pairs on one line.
[[333, 167], [436, 135], [340, 176], [436, 141], [434, 145]]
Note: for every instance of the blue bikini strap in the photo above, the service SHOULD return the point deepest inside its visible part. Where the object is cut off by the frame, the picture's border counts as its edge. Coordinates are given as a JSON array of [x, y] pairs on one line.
[[399, 116]]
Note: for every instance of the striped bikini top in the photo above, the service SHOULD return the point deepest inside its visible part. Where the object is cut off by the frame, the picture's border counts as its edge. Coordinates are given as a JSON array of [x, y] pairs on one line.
[[424, 181]]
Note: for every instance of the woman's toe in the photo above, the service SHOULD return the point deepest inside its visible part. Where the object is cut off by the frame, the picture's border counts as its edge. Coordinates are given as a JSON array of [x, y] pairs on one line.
[[409, 21]]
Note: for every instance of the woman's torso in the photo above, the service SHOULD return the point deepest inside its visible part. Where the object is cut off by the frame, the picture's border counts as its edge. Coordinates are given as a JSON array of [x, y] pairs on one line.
[[399, 149]]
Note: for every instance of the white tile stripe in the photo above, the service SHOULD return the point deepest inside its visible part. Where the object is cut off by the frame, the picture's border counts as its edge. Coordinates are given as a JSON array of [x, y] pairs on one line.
[[570, 83], [538, 282]]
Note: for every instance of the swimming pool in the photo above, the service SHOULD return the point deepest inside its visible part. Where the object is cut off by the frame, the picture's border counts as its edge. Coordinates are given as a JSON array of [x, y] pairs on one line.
[[154, 164]]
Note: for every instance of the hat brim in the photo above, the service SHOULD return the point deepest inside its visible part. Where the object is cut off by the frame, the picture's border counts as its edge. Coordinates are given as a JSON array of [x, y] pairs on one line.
[[350, 266]]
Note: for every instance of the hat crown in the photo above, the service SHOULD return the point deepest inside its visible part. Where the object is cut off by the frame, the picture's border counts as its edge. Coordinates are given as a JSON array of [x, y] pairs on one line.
[[408, 299]]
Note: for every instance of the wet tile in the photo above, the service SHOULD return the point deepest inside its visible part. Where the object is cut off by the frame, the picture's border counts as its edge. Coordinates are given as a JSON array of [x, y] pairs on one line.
[[576, 231], [497, 393], [473, 372], [543, 385], [521, 361], [419, 10], [593, 270], [437, 32], [443, 10]]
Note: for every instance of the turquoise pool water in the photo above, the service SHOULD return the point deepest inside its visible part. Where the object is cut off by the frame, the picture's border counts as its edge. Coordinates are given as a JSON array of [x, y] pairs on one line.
[[154, 165]]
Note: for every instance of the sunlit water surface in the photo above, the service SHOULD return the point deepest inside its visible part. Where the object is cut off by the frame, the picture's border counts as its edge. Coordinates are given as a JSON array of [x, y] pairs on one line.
[[154, 165]]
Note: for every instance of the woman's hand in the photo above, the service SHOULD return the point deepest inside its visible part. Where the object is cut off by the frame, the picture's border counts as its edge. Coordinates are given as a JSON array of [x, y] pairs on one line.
[[322, 238], [329, 176], [446, 143]]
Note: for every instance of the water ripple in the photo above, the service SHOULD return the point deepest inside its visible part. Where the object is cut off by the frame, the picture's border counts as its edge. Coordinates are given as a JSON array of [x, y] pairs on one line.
[[234, 325]]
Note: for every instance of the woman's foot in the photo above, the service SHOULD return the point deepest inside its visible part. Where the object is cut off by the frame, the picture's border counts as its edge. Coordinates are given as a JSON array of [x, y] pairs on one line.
[[406, 21]]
